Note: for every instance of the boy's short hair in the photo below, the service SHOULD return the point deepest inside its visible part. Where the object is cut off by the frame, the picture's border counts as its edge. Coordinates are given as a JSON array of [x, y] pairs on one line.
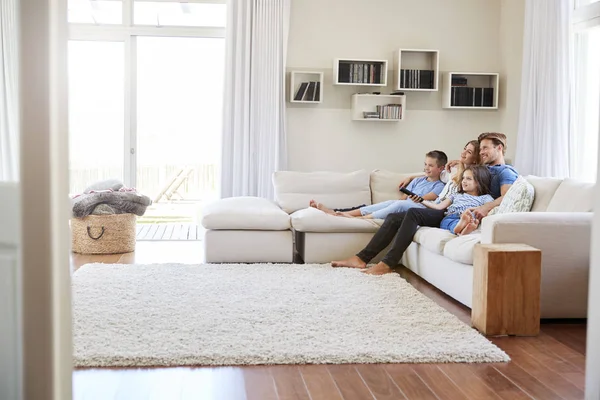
[[440, 157], [496, 137]]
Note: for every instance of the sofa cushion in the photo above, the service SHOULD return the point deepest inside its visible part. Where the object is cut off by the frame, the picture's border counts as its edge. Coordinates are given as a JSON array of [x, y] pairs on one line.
[[313, 220], [245, 213], [433, 239], [294, 190], [384, 185], [518, 198], [572, 196], [544, 190], [460, 249]]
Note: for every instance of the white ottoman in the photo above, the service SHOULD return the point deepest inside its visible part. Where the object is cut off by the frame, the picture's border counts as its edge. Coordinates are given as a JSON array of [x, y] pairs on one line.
[[246, 230]]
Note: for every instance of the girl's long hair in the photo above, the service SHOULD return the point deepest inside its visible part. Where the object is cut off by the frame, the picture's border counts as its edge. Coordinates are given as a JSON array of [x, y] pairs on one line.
[[461, 167], [482, 177]]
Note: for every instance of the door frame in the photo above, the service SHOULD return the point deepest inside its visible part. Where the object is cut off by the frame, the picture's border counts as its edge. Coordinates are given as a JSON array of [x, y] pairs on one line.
[[45, 239]]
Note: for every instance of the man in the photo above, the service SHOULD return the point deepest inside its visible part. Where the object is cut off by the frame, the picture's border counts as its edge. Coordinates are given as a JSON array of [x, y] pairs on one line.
[[401, 227]]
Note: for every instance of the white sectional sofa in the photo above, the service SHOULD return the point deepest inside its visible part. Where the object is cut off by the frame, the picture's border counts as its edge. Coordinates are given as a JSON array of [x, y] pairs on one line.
[[259, 230]]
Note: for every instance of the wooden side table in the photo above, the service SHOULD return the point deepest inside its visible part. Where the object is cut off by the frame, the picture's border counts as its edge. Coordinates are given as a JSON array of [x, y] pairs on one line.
[[506, 289]]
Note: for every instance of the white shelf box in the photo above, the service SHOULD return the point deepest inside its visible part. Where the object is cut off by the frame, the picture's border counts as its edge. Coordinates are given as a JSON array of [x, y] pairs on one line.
[[306, 87], [362, 103], [470, 90], [360, 72], [416, 70]]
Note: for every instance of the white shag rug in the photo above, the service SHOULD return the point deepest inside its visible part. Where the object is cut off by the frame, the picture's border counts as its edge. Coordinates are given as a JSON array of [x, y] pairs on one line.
[[242, 314]]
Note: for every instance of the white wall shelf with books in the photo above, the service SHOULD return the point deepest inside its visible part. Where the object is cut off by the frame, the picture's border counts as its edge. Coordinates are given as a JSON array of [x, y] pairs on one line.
[[360, 72], [306, 87], [416, 70], [470, 90], [378, 107]]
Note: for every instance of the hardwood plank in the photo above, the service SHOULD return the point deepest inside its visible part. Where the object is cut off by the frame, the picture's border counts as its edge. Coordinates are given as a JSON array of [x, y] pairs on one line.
[[438, 382], [184, 232], [349, 382], [411, 385], [160, 232], [468, 382], [176, 231], [500, 384], [259, 384], [566, 352], [168, 232], [92, 384], [526, 382], [572, 339], [151, 232], [212, 384], [379, 382], [319, 383], [538, 370], [143, 232], [553, 361], [289, 383], [192, 232]]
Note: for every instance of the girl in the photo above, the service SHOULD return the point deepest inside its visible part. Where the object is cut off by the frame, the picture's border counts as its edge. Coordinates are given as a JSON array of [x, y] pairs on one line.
[[473, 192]]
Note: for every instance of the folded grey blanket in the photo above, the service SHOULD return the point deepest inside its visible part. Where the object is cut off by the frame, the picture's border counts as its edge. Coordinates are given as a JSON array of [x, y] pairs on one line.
[[122, 202]]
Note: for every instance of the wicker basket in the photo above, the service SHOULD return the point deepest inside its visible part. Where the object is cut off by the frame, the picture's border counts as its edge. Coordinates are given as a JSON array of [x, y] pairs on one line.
[[104, 234]]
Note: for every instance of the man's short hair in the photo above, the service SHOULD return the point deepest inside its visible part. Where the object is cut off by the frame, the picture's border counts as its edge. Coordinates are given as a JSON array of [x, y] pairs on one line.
[[440, 157], [496, 137]]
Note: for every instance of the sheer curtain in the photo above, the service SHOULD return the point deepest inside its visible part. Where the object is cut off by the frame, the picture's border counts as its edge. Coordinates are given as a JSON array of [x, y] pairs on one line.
[[254, 142], [544, 118], [9, 100]]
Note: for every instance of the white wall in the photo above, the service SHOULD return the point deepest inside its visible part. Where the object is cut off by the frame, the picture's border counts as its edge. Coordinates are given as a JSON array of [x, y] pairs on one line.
[[466, 32]]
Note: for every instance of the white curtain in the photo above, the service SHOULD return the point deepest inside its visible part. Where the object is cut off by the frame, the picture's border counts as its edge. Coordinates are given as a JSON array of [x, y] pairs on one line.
[[9, 101], [543, 137], [254, 141]]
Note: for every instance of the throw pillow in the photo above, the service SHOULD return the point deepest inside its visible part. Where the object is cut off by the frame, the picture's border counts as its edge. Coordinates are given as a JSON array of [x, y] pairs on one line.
[[519, 198]]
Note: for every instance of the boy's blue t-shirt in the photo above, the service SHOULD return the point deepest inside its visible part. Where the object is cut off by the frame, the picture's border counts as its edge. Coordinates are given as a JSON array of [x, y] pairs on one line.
[[421, 186], [501, 175]]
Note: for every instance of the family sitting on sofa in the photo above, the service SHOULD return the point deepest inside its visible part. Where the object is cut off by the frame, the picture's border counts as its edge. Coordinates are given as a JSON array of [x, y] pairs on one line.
[[469, 195]]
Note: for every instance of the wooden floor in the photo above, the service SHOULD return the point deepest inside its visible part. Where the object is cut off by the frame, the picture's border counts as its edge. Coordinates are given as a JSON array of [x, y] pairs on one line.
[[549, 366], [169, 232]]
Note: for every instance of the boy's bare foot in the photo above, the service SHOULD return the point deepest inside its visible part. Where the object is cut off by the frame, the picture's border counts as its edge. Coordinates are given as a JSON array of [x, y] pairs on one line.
[[326, 210], [312, 204], [379, 269], [465, 219], [470, 227], [352, 262]]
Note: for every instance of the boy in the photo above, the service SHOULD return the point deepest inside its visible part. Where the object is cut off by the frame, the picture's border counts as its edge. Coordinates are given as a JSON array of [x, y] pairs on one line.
[[426, 187]]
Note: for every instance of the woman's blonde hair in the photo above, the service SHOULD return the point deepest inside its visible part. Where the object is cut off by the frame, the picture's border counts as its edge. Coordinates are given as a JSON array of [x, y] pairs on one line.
[[461, 167]]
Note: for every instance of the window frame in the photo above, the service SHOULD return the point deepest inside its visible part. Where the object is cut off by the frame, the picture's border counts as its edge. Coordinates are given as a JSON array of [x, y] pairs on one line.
[[128, 33]]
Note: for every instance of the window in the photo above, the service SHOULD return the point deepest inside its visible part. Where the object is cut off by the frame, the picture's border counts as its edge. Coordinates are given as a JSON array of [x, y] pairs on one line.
[[146, 86], [98, 12], [585, 125]]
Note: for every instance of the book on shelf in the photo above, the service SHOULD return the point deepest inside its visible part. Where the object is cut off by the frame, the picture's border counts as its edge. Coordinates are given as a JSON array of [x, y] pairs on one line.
[[360, 73], [417, 79], [389, 111], [308, 91], [466, 96]]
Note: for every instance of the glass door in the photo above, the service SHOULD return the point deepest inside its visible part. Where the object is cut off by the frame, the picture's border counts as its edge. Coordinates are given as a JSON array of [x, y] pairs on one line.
[[179, 101], [96, 112]]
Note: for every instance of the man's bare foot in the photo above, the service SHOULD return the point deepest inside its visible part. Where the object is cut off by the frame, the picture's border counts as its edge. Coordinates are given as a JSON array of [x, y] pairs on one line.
[[465, 219], [379, 269], [470, 227], [352, 262]]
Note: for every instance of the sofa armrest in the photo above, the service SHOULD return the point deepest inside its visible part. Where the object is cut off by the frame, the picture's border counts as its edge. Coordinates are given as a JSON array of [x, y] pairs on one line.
[[564, 239], [557, 229]]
